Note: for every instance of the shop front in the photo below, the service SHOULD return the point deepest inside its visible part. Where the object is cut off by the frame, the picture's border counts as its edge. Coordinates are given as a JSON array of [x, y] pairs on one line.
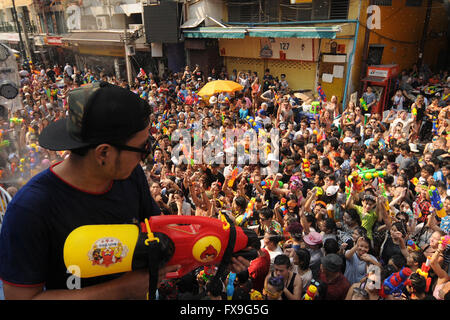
[[102, 52], [293, 51]]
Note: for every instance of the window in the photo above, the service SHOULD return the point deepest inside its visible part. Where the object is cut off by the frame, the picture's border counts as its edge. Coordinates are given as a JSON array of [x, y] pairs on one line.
[[253, 11], [295, 12], [413, 3], [339, 9], [383, 2], [321, 9], [375, 55], [247, 11]]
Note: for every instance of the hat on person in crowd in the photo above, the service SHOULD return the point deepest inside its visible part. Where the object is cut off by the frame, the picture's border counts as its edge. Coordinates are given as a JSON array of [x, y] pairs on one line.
[[348, 140], [313, 238], [413, 147], [331, 190], [98, 113], [213, 100], [263, 113], [332, 262]]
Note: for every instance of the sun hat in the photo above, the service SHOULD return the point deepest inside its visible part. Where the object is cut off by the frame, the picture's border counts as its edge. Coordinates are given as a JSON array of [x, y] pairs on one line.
[[213, 100], [98, 113], [348, 140], [313, 238]]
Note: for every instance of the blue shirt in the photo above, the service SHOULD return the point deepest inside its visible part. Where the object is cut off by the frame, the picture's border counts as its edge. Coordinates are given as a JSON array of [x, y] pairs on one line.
[[46, 210], [243, 113]]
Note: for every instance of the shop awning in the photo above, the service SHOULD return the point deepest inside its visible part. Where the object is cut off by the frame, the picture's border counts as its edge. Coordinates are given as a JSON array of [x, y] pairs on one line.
[[192, 23], [92, 36], [374, 79], [129, 9], [281, 32], [295, 32], [218, 33]]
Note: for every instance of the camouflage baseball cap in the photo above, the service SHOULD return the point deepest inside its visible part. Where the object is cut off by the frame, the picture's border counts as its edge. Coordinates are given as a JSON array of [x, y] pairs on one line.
[[98, 113]]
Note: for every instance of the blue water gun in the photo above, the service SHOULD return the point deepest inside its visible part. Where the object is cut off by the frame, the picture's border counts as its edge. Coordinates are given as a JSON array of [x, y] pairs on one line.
[[322, 95], [436, 202], [395, 283], [230, 285], [254, 124], [435, 128]]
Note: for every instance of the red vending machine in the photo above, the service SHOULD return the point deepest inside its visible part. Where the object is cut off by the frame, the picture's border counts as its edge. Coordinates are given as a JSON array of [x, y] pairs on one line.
[[383, 80]]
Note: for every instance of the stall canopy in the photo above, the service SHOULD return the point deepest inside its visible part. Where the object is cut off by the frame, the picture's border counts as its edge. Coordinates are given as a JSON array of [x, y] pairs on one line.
[[240, 33], [295, 32]]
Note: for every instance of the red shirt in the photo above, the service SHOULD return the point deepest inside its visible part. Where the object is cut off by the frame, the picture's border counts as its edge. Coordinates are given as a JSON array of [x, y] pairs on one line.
[[258, 270], [337, 289]]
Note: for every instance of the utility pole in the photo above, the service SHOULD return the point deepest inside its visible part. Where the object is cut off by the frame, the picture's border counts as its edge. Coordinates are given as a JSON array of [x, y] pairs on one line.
[[365, 55], [25, 33], [423, 40], [127, 56], [19, 30]]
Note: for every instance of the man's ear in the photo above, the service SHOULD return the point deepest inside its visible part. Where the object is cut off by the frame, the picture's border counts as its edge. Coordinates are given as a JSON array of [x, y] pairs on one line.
[[101, 153]]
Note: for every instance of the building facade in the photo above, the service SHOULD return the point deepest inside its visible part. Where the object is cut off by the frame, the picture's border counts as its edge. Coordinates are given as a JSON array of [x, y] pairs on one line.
[[326, 42]]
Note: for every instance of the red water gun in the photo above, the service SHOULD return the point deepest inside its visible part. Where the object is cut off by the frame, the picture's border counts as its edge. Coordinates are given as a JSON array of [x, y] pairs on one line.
[[190, 242], [356, 181], [423, 271], [395, 282], [283, 208], [233, 177], [306, 168], [322, 95]]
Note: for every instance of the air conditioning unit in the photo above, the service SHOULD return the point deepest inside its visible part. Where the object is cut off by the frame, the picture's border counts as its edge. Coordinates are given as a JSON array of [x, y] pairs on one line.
[[102, 22], [134, 27]]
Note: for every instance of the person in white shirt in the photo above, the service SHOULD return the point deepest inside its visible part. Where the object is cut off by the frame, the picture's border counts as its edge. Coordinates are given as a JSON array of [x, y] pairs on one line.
[[403, 118], [270, 242], [397, 100], [263, 118], [68, 69]]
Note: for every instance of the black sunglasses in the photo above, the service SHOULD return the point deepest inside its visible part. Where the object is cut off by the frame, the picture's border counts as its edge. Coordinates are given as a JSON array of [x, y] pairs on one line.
[[144, 151]]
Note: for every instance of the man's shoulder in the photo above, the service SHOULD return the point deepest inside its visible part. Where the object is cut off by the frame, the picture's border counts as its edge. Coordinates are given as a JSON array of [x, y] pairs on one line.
[[37, 187]]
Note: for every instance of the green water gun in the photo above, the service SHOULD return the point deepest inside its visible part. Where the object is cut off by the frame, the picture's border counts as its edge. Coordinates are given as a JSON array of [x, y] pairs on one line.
[[370, 174], [363, 104]]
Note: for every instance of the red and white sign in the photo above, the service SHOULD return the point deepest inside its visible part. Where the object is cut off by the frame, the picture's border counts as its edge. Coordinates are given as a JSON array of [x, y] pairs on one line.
[[54, 41]]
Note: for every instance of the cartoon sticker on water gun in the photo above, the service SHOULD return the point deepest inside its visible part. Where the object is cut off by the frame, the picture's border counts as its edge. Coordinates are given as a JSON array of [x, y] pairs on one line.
[[107, 251]]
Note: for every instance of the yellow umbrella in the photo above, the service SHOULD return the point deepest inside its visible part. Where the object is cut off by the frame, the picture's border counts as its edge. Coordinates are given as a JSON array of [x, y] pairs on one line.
[[218, 86]]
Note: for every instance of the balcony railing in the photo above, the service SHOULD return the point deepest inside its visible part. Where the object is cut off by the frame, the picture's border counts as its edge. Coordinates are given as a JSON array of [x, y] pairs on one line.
[[11, 27]]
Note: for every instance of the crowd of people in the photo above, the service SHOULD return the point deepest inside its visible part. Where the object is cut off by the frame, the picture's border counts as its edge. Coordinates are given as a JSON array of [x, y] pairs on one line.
[[353, 202]]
